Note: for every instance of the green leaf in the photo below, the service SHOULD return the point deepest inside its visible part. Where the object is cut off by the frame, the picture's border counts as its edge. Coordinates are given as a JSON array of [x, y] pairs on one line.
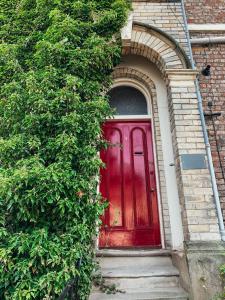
[[56, 58]]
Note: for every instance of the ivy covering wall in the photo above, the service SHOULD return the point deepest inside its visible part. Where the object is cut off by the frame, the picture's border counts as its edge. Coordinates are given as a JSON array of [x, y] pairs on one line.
[[56, 57]]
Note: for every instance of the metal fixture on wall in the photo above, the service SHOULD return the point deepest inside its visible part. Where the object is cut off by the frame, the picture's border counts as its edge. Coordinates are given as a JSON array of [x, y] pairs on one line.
[[206, 71], [208, 150]]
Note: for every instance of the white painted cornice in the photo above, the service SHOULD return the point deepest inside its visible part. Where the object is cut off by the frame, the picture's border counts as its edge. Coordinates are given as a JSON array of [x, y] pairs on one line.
[[207, 27], [208, 40], [181, 77]]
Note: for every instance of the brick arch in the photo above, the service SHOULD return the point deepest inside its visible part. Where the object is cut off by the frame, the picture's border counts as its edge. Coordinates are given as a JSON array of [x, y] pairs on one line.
[[156, 46], [124, 73], [128, 72]]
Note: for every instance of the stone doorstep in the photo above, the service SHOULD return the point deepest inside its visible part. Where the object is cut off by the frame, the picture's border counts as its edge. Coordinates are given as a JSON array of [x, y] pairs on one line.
[[139, 272], [143, 283], [142, 275], [140, 262], [154, 294], [132, 253]]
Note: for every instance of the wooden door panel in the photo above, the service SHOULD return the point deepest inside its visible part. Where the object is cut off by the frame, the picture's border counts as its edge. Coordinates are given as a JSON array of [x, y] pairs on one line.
[[115, 179], [128, 182], [140, 177]]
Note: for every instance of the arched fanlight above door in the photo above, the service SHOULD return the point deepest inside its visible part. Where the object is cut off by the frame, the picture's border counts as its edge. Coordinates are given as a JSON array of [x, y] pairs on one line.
[[128, 101]]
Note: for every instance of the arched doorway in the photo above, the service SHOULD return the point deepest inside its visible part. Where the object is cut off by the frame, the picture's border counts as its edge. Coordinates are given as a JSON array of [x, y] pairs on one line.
[[128, 182]]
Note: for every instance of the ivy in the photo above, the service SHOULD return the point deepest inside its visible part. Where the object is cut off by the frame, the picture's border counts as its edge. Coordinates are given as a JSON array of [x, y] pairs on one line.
[[56, 57], [222, 274]]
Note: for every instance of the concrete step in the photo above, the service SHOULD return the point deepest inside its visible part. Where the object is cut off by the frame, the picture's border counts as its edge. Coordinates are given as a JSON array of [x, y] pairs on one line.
[[143, 282], [139, 271], [148, 262], [140, 274], [133, 267], [132, 253], [140, 294]]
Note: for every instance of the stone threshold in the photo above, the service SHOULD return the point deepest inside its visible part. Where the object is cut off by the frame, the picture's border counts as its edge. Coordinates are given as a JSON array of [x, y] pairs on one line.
[[132, 252]]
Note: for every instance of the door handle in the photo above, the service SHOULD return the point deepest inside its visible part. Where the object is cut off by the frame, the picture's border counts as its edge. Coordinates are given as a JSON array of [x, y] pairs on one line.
[[152, 190]]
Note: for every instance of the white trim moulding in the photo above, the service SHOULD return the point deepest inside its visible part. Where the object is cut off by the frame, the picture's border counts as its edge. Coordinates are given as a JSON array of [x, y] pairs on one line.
[[206, 27], [208, 40]]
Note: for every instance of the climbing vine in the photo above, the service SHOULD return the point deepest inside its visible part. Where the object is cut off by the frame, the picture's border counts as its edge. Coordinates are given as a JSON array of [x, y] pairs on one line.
[[56, 57], [222, 273]]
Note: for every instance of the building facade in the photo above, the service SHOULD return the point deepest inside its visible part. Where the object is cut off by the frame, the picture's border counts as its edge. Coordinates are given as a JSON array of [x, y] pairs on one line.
[[166, 184], [207, 22]]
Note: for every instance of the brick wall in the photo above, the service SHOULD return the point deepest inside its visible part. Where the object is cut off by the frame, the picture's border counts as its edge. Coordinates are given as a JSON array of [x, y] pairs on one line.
[[205, 11], [198, 209], [165, 15], [212, 88]]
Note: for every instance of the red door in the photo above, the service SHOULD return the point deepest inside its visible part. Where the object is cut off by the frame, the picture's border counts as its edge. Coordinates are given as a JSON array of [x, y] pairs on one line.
[[128, 183]]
